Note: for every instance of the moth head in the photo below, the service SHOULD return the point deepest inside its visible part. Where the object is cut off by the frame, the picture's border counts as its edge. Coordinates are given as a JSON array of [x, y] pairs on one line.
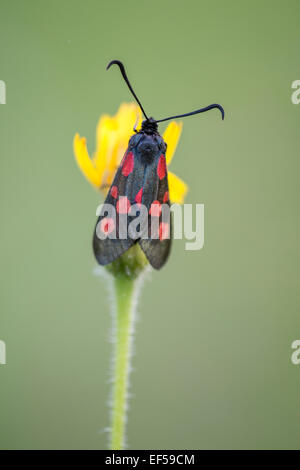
[[148, 142], [149, 126]]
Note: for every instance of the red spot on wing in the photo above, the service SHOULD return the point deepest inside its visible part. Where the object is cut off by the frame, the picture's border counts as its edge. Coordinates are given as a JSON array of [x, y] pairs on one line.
[[114, 192], [162, 167], [123, 205], [166, 197], [128, 164], [155, 209], [164, 231], [107, 225], [138, 197]]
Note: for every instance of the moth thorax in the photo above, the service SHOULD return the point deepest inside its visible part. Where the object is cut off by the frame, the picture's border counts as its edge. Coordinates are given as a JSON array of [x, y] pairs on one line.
[[148, 148]]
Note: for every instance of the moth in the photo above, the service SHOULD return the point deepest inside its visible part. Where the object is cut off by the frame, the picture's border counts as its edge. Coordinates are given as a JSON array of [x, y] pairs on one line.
[[137, 206]]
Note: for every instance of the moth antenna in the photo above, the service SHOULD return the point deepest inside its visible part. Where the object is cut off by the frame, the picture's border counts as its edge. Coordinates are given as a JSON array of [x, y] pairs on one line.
[[198, 111], [122, 69]]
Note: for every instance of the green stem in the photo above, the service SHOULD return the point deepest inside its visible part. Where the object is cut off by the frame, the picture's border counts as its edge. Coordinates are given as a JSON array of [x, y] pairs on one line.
[[124, 323]]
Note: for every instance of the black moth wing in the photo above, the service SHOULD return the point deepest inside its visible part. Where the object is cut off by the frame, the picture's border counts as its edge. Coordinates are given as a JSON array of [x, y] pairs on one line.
[[156, 198], [138, 180], [109, 249]]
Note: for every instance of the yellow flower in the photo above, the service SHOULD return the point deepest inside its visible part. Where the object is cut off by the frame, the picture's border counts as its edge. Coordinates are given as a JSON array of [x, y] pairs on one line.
[[112, 136]]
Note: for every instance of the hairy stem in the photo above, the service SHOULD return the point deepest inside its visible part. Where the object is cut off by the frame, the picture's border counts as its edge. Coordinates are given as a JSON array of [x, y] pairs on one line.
[[125, 289]]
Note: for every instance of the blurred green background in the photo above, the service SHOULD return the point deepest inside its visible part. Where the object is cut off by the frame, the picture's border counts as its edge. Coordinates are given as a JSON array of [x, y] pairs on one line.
[[212, 364]]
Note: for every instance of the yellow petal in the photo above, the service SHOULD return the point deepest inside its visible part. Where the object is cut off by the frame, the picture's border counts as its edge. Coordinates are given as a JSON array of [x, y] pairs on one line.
[[171, 137], [177, 188], [106, 136], [84, 162], [127, 117], [113, 134]]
